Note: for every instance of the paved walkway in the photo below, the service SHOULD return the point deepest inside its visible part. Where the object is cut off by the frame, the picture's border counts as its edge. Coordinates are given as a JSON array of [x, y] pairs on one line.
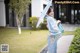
[[70, 27], [63, 44]]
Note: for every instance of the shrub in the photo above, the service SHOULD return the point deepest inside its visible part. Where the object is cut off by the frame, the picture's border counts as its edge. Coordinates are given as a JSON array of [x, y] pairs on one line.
[[43, 25], [75, 46], [33, 21]]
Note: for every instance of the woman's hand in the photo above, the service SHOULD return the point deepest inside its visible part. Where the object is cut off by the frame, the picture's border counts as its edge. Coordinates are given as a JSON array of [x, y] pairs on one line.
[[58, 21]]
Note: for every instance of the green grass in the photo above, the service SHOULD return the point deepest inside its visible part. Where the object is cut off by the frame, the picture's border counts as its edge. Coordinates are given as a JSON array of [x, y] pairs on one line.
[[68, 33], [28, 42]]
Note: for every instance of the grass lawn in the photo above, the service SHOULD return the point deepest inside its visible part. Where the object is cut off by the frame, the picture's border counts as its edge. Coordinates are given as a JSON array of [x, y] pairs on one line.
[[28, 42]]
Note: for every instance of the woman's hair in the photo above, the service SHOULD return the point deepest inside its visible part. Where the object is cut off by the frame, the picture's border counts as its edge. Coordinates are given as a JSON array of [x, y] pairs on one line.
[[49, 10]]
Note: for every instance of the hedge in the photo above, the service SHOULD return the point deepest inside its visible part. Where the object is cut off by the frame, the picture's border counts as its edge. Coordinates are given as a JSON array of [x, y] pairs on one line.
[[75, 45], [44, 25], [33, 21]]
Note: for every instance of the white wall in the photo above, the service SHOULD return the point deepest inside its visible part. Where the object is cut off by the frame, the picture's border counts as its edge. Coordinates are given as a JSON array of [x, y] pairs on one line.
[[2, 13], [37, 7], [45, 1]]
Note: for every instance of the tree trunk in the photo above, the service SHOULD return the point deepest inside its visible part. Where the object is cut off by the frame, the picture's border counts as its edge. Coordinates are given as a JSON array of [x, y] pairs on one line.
[[18, 25], [19, 29]]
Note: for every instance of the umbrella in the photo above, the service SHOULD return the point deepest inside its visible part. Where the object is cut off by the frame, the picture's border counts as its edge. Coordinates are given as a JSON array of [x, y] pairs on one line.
[[43, 13]]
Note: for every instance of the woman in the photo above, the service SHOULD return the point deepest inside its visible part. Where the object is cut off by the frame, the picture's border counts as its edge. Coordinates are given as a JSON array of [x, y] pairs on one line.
[[55, 32]]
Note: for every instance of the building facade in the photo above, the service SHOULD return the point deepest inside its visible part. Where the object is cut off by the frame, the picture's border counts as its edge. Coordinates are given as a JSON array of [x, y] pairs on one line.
[[65, 11], [7, 16], [2, 13]]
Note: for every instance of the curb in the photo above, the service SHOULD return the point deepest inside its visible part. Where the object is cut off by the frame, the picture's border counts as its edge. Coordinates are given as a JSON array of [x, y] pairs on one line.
[[43, 49]]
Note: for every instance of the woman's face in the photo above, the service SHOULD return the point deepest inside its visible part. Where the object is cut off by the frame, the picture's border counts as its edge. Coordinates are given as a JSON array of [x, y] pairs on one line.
[[51, 13]]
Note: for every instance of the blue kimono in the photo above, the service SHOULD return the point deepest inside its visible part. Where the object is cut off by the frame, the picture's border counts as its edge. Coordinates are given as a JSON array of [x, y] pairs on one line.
[[52, 25]]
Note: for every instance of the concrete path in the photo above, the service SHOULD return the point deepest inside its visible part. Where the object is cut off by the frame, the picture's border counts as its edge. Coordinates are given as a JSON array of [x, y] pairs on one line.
[[63, 44], [70, 27]]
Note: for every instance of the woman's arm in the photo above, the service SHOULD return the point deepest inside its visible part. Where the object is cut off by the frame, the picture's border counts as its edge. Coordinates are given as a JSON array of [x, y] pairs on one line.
[[60, 26], [58, 21]]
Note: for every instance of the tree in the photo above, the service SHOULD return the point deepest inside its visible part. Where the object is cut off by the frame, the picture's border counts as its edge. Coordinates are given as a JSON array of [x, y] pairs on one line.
[[20, 7]]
